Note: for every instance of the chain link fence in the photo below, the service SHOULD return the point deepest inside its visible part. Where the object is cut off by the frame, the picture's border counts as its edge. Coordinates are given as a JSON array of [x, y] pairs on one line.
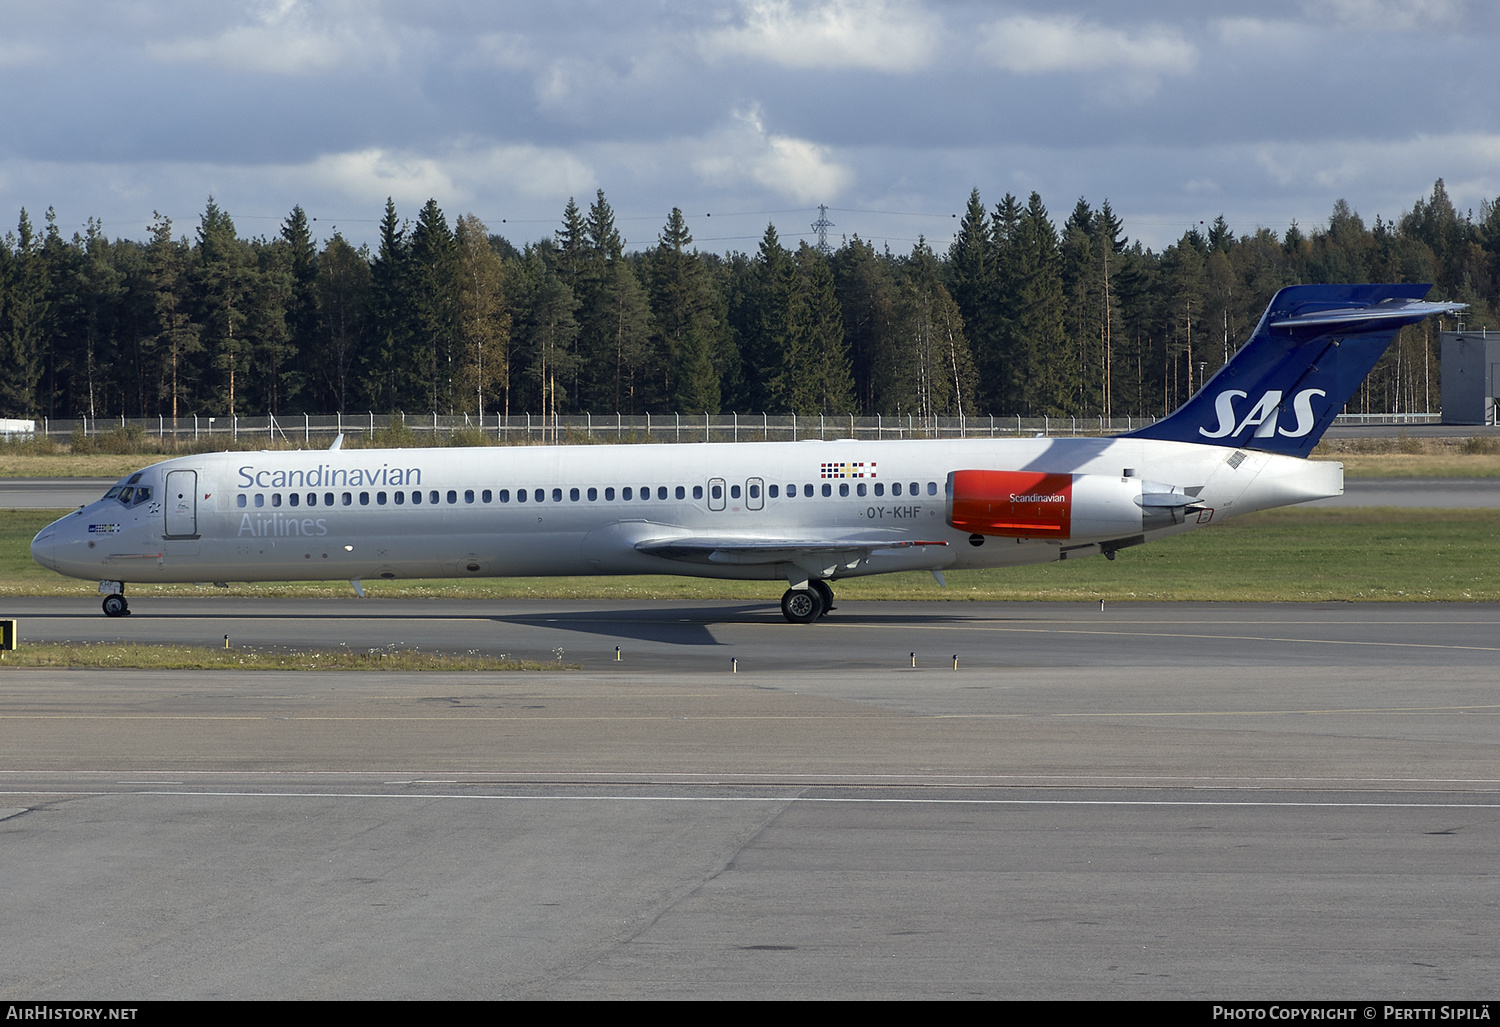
[[535, 429]]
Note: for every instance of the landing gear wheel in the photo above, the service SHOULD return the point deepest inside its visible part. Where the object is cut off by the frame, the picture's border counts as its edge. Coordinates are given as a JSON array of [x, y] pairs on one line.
[[116, 606], [825, 593], [801, 605]]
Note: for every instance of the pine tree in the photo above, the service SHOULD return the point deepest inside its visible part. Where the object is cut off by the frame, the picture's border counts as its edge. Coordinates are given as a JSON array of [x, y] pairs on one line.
[[389, 286], [866, 292], [972, 273], [1042, 371], [24, 321], [177, 337], [686, 320], [1003, 359], [817, 379], [433, 346], [771, 345], [343, 295], [302, 301], [223, 278], [546, 327]]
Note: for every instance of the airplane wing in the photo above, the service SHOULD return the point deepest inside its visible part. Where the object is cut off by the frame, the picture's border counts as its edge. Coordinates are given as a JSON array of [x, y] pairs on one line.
[[819, 558], [740, 549]]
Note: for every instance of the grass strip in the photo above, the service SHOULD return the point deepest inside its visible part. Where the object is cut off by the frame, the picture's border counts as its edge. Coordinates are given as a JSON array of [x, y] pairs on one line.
[[132, 655]]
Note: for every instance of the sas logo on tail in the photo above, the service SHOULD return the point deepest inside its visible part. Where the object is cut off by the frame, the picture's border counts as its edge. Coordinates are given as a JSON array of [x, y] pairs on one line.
[[1262, 417]]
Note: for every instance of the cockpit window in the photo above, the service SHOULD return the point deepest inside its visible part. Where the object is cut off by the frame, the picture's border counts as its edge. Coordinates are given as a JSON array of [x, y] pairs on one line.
[[135, 477], [113, 493], [125, 494], [142, 494]]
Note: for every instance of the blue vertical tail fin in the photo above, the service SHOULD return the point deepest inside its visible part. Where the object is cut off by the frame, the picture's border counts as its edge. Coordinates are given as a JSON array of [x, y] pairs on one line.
[[1311, 351]]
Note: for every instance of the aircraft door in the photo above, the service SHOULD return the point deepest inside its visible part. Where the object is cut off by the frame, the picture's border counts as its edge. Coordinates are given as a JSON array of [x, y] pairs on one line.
[[716, 494], [755, 494], [181, 504]]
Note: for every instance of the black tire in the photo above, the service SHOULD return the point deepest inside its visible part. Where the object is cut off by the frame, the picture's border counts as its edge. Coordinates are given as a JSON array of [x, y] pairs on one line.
[[801, 605], [825, 593], [115, 606]]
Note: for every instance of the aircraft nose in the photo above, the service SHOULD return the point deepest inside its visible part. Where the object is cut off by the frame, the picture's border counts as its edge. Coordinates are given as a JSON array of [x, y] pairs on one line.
[[44, 548]]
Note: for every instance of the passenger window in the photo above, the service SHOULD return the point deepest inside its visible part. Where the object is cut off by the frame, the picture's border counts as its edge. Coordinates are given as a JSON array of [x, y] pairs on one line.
[[681, 492], [734, 492], [627, 493], [827, 491], [468, 495], [593, 495], [573, 495], [661, 492], [239, 500], [503, 495], [557, 495], [416, 497], [539, 495], [932, 488], [275, 498], [791, 492], [896, 488], [452, 497], [772, 491], [521, 495], [646, 492], [880, 488], [697, 491], [754, 491], [609, 495], [292, 500], [718, 492], [364, 499], [328, 499], [486, 496], [432, 497], [843, 488], [380, 498], [860, 488]]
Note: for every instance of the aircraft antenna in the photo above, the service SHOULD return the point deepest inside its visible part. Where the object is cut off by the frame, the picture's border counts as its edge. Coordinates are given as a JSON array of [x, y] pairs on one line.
[[821, 226]]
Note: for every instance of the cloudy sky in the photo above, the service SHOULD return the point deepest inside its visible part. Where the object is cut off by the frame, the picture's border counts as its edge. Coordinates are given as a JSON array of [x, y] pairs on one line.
[[743, 111]]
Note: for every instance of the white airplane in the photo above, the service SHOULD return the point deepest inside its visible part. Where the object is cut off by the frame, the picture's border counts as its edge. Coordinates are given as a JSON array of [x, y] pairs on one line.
[[806, 512]]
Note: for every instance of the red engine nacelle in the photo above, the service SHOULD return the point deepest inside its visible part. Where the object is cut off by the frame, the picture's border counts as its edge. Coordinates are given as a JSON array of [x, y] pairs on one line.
[[1013, 504], [1078, 507]]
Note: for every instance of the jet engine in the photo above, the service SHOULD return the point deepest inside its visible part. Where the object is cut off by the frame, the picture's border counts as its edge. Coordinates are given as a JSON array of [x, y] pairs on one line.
[[1063, 507]]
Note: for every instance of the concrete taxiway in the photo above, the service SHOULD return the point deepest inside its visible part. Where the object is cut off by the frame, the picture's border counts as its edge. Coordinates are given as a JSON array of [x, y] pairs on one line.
[[1157, 801]]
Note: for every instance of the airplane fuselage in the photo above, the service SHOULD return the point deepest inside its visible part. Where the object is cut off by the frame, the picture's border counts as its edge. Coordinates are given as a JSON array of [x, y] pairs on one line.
[[606, 509]]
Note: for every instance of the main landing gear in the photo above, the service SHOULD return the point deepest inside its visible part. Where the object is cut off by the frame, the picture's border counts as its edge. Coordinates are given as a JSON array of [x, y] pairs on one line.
[[116, 606], [805, 605]]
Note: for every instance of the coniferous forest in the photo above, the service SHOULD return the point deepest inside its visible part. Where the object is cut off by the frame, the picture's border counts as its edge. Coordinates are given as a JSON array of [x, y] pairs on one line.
[[1023, 315]]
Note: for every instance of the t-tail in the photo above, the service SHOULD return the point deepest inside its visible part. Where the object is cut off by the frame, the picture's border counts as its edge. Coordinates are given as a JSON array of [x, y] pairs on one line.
[[1311, 351]]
